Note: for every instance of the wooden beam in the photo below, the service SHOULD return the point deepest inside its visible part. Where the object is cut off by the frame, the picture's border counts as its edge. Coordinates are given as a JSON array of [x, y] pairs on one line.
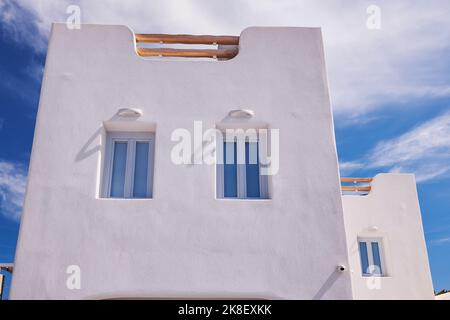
[[188, 53], [355, 188], [356, 180], [187, 39]]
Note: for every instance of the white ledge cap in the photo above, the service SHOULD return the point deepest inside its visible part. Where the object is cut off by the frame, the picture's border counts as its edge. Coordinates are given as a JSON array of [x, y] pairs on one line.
[[129, 112], [241, 113]]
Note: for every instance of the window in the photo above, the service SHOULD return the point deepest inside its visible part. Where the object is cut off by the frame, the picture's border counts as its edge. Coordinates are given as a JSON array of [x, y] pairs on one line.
[[239, 175], [371, 257], [129, 165]]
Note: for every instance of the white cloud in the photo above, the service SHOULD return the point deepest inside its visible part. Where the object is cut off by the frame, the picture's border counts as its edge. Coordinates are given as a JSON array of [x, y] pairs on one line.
[[348, 167], [400, 62], [424, 150], [440, 241], [21, 25], [12, 189]]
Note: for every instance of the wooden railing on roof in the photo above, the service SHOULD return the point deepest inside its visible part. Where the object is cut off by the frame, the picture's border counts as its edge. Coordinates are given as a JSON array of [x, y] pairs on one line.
[[187, 39], [225, 53], [359, 186], [187, 53]]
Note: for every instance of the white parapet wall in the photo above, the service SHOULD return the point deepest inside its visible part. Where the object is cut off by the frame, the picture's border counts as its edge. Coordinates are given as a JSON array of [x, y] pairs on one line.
[[184, 242], [390, 214]]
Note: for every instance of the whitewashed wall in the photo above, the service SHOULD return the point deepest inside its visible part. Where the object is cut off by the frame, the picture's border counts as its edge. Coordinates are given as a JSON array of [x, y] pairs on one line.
[[183, 242], [390, 212]]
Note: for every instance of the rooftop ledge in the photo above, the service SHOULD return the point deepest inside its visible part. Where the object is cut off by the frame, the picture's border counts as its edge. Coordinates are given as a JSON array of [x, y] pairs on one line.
[[253, 44], [382, 182]]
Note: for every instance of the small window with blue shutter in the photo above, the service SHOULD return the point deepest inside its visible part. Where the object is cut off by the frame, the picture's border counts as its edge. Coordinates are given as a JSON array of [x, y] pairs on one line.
[[241, 179], [128, 167], [371, 256]]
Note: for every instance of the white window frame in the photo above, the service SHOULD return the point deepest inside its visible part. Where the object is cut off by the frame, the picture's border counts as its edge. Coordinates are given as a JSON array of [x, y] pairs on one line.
[[368, 242], [241, 174], [131, 138]]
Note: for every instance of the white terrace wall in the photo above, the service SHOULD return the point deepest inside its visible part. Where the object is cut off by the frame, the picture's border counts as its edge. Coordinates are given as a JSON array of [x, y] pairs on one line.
[[183, 242], [390, 212]]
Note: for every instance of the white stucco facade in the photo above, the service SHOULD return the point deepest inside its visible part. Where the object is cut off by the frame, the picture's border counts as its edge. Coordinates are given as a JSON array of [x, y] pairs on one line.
[[391, 214], [184, 242]]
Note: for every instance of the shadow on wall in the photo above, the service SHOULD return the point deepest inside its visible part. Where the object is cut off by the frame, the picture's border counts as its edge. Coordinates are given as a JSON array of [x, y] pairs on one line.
[[327, 285], [92, 145], [181, 296]]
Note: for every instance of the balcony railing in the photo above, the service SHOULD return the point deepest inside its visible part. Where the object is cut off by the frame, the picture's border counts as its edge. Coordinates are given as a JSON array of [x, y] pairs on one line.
[[356, 186], [228, 50]]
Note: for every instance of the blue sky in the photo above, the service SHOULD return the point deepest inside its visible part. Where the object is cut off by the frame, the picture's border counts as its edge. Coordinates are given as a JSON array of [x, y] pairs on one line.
[[390, 88]]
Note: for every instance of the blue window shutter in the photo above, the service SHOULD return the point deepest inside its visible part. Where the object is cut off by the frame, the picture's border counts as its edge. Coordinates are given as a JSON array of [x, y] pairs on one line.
[[230, 169], [364, 257], [141, 170], [252, 169], [376, 258], [118, 169]]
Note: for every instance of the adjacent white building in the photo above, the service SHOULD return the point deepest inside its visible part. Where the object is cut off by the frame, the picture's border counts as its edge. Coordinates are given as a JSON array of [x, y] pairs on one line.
[[115, 207], [387, 219]]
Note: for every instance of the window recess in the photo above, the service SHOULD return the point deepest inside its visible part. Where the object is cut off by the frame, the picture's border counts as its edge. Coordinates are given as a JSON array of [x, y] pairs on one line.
[[371, 255], [239, 173], [128, 169]]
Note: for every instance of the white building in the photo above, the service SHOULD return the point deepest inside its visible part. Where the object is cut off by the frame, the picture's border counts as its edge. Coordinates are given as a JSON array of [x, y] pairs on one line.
[[109, 213]]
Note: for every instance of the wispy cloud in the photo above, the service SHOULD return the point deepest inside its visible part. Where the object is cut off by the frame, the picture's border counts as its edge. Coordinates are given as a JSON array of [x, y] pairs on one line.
[[22, 25], [348, 167], [440, 241], [12, 189], [403, 61], [19, 26], [424, 150]]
